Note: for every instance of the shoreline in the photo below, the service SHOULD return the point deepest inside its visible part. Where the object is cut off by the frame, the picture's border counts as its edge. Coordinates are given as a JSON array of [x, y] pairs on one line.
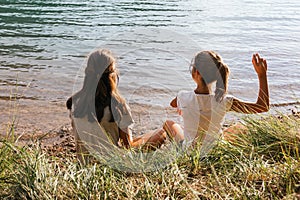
[[49, 122]]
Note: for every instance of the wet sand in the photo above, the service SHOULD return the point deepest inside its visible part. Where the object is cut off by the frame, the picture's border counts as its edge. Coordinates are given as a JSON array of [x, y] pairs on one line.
[[37, 122], [48, 123], [32, 117]]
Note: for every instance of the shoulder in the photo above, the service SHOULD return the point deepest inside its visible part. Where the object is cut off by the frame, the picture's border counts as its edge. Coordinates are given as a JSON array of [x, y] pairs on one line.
[[184, 98], [185, 94], [126, 109]]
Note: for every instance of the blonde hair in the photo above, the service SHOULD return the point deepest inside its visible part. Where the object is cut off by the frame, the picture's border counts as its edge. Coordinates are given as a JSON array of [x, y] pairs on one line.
[[212, 68], [99, 89]]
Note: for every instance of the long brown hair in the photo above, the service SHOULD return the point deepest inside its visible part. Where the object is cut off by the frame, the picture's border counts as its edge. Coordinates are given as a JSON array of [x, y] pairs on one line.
[[212, 68], [99, 89]]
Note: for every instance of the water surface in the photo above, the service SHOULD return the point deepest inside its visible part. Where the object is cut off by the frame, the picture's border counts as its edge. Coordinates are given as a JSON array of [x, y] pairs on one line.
[[43, 45]]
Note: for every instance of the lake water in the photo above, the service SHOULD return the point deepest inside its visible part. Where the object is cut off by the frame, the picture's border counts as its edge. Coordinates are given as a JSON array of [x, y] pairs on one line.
[[43, 45]]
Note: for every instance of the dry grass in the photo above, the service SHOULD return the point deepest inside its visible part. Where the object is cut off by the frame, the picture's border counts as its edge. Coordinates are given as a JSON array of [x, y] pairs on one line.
[[264, 163]]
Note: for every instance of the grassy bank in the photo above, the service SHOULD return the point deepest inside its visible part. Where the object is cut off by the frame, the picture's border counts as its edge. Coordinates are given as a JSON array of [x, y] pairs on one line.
[[263, 163]]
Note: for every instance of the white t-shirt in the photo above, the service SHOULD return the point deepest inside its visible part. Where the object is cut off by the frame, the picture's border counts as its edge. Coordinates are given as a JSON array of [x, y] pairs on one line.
[[203, 117], [103, 136]]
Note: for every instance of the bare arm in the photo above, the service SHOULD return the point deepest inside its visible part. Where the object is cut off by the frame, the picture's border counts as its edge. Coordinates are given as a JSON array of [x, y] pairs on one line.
[[262, 103], [174, 103]]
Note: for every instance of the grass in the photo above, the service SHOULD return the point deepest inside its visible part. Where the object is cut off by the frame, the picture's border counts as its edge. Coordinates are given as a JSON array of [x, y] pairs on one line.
[[262, 163]]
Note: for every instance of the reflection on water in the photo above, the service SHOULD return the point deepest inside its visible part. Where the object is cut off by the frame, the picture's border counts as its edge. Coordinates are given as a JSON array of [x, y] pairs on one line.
[[43, 44]]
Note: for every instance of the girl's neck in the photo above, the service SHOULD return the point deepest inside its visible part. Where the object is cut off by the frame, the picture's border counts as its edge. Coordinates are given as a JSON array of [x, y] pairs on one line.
[[202, 90]]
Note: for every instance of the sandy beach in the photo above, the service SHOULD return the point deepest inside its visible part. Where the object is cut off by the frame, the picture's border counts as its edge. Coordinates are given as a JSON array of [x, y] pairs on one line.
[[48, 123], [44, 122]]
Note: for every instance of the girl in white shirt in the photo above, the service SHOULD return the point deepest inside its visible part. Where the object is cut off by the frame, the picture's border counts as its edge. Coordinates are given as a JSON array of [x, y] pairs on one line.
[[203, 110]]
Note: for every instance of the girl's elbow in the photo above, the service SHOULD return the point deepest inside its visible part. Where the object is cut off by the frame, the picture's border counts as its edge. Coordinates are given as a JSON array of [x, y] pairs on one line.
[[262, 106], [263, 109], [266, 107], [69, 103], [173, 104]]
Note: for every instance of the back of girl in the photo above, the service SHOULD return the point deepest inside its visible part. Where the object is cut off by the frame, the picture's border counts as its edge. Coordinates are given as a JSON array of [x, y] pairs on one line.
[[101, 119], [203, 110], [98, 108]]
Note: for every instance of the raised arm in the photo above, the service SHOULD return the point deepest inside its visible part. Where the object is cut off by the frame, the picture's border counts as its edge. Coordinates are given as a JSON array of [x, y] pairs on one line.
[[262, 103]]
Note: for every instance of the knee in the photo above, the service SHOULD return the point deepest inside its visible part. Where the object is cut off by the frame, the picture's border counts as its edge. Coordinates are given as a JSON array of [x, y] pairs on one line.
[[163, 134], [160, 134], [169, 123]]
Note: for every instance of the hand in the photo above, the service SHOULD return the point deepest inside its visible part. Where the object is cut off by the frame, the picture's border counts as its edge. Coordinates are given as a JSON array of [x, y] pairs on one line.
[[260, 65]]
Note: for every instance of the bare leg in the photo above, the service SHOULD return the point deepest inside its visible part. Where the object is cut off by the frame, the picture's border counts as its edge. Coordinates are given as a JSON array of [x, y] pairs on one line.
[[174, 130], [232, 132], [152, 139]]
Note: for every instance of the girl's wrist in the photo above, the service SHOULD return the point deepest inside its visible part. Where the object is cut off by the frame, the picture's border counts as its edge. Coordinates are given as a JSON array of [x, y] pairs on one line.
[[262, 75]]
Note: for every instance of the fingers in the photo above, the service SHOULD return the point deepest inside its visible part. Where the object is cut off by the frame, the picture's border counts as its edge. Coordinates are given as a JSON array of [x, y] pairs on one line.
[[257, 60], [253, 59], [260, 64], [265, 64], [258, 57]]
